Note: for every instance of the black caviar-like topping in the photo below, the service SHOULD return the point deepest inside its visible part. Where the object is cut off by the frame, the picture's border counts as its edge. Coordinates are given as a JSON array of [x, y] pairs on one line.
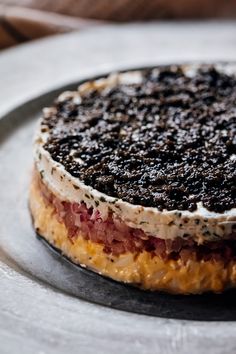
[[168, 142]]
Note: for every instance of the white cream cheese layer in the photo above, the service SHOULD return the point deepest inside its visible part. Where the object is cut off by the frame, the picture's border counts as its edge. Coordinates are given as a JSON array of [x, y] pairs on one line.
[[201, 225]]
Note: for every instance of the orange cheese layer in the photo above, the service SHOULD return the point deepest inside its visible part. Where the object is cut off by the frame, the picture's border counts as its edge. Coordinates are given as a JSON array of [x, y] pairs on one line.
[[142, 269]]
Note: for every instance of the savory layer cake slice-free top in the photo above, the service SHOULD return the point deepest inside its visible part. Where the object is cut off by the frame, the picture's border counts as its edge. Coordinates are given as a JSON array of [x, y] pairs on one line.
[[144, 161]]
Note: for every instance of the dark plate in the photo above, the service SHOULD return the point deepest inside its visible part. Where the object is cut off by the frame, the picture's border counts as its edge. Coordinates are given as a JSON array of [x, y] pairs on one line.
[[19, 243]]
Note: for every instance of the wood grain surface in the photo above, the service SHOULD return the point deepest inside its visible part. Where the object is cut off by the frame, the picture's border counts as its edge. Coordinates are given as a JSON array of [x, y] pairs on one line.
[[133, 10], [24, 20]]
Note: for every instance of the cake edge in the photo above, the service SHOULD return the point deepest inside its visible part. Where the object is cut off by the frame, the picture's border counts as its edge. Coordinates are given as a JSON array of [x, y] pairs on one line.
[[142, 270]]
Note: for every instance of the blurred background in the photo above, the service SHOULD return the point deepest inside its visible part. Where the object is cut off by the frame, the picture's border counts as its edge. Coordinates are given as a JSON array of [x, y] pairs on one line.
[[24, 20]]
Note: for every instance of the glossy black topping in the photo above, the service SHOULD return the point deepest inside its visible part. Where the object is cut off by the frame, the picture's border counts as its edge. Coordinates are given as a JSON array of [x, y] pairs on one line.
[[168, 142]]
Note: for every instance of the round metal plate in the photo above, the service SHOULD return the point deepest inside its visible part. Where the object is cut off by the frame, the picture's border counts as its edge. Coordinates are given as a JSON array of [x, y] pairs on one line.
[[41, 306], [32, 256]]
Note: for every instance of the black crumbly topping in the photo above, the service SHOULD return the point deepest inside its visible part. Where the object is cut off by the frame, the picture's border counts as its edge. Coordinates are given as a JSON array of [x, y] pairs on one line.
[[168, 142]]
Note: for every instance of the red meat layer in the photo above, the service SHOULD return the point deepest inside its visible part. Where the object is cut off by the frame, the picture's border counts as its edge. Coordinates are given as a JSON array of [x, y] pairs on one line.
[[119, 238]]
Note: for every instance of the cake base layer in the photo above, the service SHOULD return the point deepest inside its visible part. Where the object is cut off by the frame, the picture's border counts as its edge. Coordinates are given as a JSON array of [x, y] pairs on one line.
[[140, 269]]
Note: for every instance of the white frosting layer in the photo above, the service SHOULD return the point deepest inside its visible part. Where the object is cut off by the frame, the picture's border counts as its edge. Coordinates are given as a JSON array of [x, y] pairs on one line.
[[201, 224]]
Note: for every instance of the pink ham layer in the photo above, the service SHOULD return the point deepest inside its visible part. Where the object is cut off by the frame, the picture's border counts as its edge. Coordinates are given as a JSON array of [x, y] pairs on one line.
[[119, 238]]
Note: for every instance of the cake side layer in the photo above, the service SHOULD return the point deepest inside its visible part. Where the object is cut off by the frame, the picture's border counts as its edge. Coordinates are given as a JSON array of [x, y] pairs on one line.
[[140, 269], [118, 238]]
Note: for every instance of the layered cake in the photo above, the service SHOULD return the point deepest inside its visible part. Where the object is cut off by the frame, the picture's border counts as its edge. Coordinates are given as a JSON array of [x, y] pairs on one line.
[[135, 177]]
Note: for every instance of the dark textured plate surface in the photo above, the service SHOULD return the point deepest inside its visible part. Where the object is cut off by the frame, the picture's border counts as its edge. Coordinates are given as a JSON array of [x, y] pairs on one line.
[[104, 291], [19, 243]]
